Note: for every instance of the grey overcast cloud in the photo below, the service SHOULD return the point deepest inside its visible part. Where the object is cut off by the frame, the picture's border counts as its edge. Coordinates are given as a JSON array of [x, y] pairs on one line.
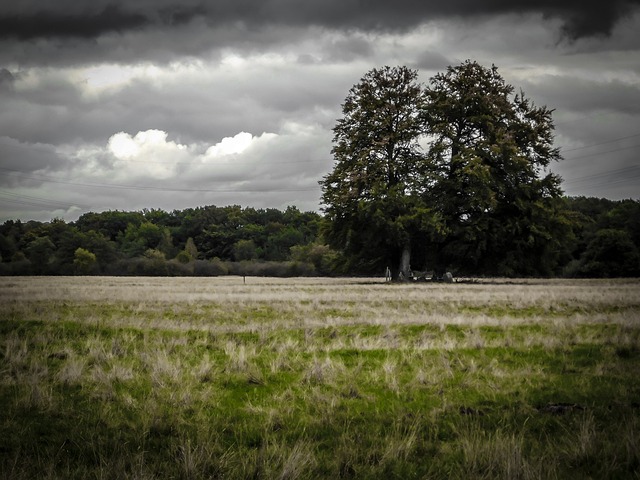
[[181, 103]]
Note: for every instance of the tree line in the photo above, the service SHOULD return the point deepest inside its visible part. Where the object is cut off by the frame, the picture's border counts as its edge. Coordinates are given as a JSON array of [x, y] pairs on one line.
[[206, 240], [604, 241]]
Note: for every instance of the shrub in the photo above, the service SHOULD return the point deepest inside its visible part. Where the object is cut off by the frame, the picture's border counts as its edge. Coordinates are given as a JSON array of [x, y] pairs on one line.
[[16, 267], [611, 253], [245, 250], [212, 268], [184, 257], [271, 269], [177, 269], [320, 256], [85, 262]]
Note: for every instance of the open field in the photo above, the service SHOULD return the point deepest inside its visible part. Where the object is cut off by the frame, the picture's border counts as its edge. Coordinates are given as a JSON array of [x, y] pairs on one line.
[[105, 377]]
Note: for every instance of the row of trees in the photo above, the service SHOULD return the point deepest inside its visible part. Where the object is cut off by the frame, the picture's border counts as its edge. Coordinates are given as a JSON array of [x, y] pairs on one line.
[[604, 240], [200, 241]]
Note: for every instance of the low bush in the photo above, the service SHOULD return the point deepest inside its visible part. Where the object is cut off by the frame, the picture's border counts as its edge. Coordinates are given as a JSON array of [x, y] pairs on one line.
[[209, 268], [271, 269]]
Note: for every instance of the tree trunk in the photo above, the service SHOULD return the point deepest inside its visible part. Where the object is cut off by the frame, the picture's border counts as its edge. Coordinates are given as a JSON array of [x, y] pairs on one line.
[[404, 272]]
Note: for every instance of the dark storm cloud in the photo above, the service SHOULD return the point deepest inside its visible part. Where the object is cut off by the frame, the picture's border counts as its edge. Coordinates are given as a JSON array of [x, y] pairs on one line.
[[72, 19], [82, 24], [585, 96], [597, 18], [580, 18], [19, 160], [45, 24]]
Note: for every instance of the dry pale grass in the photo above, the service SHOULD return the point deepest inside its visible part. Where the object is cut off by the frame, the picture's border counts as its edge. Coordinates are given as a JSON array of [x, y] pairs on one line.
[[318, 291], [311, 377], [322, 308]]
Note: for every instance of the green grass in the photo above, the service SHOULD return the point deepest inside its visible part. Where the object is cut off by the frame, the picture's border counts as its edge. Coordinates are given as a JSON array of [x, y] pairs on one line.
[[337, 379]]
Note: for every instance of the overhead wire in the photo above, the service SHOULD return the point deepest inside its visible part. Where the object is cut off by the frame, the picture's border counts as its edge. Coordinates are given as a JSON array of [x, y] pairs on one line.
[[619, 176], [630, 171], [43, 178], [30, 200], [601, 143], [604, 153]]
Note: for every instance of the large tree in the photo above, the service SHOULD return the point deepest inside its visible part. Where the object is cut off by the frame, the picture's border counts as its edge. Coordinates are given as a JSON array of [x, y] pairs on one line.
[[489, 155], [480, 197], [372, 199]]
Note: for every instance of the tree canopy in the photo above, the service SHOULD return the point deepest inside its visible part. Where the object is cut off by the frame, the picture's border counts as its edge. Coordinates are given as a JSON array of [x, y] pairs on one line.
[[488, 153], [372, 197], [452, 174]]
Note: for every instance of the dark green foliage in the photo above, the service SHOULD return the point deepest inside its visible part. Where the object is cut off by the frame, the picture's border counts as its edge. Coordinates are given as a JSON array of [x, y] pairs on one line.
[[202, 242], [607, 237], [138, 238], [85, 262], [245, 250], [603, 241], [611, 253], [110, 224], [373, 204], [489, 154], [40, 253], [479, 198], [322, 257]]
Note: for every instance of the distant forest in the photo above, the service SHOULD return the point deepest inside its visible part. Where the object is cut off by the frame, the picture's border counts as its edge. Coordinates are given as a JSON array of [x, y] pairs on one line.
[[212, 241]]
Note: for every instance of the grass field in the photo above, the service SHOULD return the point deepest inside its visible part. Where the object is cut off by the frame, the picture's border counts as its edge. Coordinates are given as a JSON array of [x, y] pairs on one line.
[[196, 378]]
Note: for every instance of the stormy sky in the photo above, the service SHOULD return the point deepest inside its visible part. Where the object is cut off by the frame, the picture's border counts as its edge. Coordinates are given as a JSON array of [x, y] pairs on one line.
[[173, 104]]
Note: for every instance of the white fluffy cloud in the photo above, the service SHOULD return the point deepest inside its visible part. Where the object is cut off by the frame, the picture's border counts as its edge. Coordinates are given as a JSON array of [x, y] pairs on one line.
[[147, 154], [150, 155]]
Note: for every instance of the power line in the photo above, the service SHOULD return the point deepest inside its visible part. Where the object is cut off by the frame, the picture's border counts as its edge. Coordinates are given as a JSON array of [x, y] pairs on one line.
[[604, 153], [630, 173], [195, 162], [26, 203], [601, 143], [235, 162], [292, 162], [600, 183], [153, 187], [33, 201]]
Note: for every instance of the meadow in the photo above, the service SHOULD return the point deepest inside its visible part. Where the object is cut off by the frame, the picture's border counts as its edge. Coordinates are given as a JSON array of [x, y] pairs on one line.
[[263, 378]]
